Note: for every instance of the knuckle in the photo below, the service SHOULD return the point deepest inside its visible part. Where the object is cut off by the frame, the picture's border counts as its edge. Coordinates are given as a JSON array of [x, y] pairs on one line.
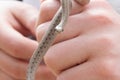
[[106, 70], [101, 17], [106, 41]]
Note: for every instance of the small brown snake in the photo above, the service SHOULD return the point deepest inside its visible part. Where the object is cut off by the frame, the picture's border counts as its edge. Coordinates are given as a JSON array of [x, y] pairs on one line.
[[56, 26]]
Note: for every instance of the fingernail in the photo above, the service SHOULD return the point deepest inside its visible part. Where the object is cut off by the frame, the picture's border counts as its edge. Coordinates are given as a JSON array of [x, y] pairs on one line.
[[40, 30], [83, 2]]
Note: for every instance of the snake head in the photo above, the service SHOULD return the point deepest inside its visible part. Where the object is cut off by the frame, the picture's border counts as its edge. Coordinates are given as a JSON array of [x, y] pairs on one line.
[[59, 29]]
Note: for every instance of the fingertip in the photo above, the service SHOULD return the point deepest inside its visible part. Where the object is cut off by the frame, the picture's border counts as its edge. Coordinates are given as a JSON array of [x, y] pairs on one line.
[[47, 10], [40, 30], [41, 1]]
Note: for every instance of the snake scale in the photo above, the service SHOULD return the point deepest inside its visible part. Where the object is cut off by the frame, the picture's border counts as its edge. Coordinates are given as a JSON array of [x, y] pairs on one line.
[[56, 26]]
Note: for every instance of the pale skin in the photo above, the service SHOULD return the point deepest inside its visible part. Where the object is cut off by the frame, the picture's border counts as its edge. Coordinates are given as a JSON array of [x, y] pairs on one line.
[[17, 21], [89, 47], [86, 51]]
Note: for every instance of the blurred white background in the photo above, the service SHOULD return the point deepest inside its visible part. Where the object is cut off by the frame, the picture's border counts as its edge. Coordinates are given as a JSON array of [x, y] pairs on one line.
[[115, 4], [33, 2]]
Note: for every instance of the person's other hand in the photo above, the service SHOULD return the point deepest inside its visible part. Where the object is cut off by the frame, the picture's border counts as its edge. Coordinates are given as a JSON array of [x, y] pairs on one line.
[[89, 48], [17, 22]]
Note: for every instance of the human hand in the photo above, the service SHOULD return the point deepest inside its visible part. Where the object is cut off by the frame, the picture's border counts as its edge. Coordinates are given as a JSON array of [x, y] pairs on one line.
[[17, 22], [88, 49]]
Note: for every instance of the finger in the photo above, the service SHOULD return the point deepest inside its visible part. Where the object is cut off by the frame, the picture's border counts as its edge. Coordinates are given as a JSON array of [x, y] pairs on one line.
[[17, 68], [8, 18], [69, 31], [47, 10], [4, 76], [67, 54], [70, 53], [26, 15], [100, 68], [12, 66], [89, 19], [15, 44], [85, 71]]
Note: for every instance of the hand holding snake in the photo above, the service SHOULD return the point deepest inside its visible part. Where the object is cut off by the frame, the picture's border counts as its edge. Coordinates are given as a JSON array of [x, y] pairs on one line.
[[55, 28]]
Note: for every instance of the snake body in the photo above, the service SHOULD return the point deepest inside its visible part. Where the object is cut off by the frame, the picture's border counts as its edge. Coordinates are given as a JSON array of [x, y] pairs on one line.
[[55, 28]]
